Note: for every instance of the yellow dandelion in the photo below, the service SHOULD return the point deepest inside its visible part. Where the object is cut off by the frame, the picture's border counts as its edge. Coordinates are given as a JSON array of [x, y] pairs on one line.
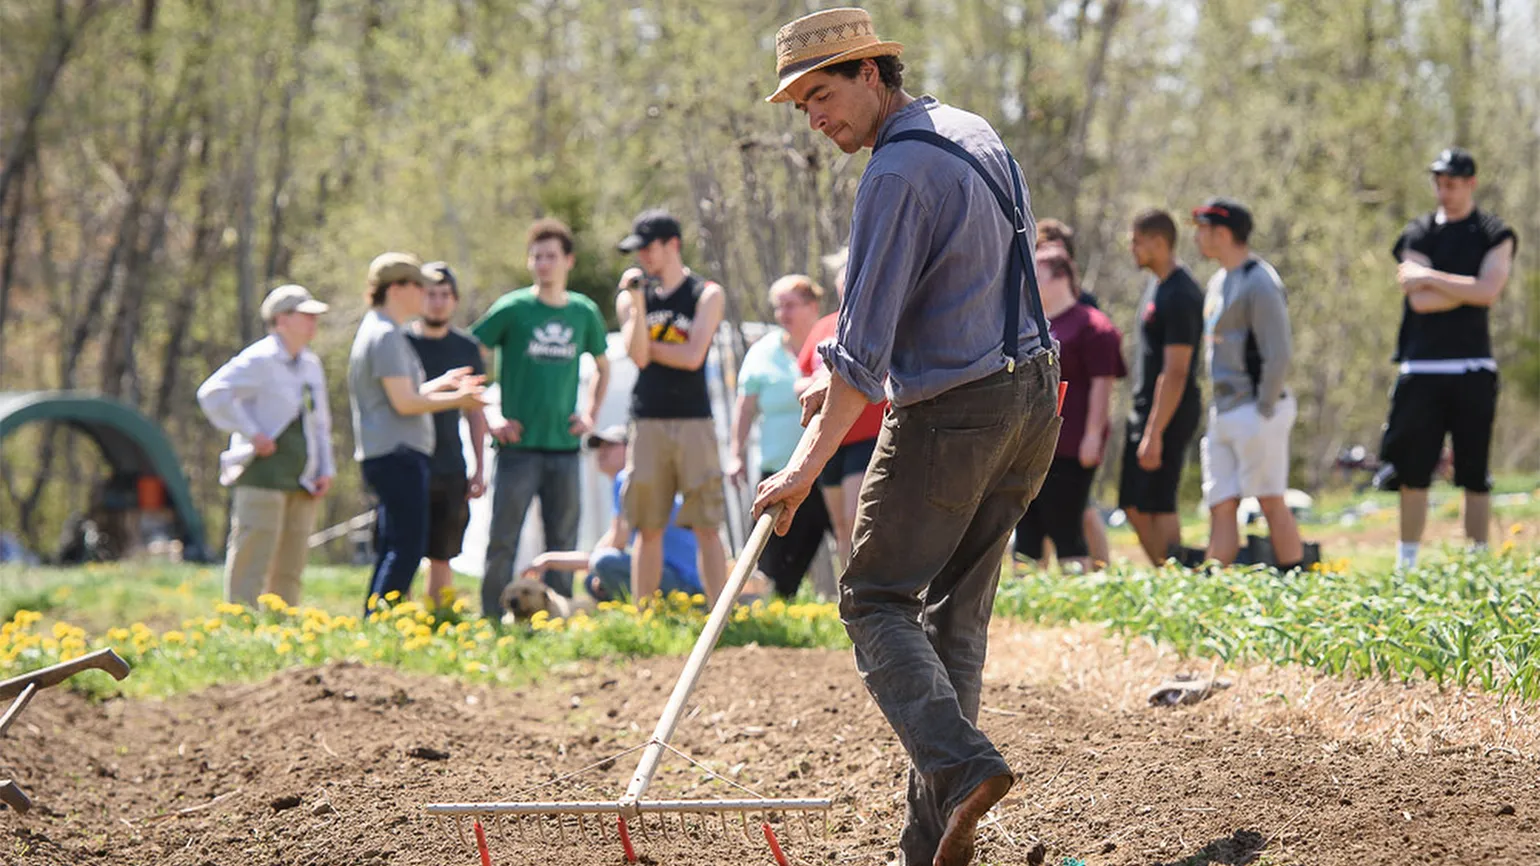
[[174, 637], [284, 648]]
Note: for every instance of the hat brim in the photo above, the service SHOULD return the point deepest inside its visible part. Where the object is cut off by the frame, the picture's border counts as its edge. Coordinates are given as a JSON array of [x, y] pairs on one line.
[[596, 441], [313, 307], [1445, 168], [631, 243], [876, 49]]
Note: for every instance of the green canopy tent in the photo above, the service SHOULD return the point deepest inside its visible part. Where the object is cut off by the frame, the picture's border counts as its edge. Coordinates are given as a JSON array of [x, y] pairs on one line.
[[132, 444]]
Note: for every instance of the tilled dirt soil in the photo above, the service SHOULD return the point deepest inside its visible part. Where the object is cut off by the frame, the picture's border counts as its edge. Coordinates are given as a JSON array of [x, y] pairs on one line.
[[332, 766]]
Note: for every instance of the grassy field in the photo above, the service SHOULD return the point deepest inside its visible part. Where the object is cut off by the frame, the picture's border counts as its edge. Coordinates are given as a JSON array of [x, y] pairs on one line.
[[1461, 618]]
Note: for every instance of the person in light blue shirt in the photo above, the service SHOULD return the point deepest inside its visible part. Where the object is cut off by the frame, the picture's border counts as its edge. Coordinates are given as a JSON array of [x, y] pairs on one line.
[[609, 565], [767, 387]]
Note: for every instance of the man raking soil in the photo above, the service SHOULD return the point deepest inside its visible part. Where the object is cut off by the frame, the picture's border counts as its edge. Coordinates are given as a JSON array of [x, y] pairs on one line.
[[940, 268]]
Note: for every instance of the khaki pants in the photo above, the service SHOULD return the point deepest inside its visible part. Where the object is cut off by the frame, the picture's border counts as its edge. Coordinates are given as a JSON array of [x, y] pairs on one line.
[[269, 543]]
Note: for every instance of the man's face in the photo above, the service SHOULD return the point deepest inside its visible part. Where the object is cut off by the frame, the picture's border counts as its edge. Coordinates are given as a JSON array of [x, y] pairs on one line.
[[296, 326], [1454, 193], [1210, 238], [844, 109], [611, 458], [549, 262], [656, 255], [1145, 248], [439, 304]]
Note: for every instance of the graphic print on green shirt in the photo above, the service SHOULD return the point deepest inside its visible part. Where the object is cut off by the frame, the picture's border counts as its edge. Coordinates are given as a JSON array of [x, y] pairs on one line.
[[538, 351], [281, 469]]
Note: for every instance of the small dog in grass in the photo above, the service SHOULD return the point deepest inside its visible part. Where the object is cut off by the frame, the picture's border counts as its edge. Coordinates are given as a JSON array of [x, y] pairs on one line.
[[524, 596]]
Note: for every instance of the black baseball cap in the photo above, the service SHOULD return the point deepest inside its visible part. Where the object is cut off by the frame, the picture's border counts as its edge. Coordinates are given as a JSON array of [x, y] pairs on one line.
[[1225, 212], [1455, 162], [439, 272], [649, 226]]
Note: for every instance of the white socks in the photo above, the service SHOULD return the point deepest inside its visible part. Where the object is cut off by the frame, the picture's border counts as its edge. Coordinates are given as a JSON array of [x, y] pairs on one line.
[[1406, 555]]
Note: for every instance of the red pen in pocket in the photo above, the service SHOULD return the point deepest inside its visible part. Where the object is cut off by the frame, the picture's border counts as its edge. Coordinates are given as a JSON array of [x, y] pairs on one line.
[[1063, 386]]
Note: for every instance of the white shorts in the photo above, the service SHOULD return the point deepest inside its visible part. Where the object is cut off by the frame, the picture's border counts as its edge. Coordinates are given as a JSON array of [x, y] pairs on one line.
[[1245, 454]]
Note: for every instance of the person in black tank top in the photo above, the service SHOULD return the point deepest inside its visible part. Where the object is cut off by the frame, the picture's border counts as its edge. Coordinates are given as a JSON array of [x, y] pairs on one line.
[[663, 391], [1453, 264], [668, 317]]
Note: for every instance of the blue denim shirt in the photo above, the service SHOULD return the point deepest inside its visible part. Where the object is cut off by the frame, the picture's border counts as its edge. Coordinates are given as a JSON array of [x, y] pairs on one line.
[[924, 304]]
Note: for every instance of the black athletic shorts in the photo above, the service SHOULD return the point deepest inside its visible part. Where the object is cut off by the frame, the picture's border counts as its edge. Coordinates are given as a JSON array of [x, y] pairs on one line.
[[1056, 512], [1423, 408], [848, 460], [787, 557], [1155, 492], [448, 515]]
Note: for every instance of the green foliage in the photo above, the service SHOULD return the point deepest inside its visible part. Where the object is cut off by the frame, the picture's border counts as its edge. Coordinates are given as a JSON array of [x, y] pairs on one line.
[[1472, 620]]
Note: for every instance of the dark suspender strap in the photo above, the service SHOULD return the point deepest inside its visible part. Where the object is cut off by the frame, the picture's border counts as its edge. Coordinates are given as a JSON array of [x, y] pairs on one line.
[[1020, 264]]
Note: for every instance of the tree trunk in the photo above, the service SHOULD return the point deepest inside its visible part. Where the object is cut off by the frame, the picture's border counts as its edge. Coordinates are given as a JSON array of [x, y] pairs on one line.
[[1094, 74]]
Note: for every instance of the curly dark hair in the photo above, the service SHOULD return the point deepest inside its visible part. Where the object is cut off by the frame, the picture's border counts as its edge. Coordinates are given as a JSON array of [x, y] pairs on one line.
[[890, 71]]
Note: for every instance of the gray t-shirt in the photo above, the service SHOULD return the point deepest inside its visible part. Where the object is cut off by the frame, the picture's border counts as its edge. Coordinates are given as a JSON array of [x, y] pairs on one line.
[[1246, 326], [381, 350]]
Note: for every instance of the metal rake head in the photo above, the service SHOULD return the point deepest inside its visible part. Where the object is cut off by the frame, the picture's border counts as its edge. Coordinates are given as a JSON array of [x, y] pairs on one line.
[[598, 822]]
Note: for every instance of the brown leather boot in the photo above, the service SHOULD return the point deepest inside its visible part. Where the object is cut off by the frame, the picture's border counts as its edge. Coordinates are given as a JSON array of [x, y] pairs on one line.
[[956, 848]]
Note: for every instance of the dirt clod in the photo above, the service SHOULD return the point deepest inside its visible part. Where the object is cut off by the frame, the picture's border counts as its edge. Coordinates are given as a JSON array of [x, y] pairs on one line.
[[428, 753], [288, 801]]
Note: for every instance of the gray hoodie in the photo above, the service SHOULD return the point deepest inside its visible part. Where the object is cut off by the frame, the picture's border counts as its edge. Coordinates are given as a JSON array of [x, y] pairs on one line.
[[1246, 326]]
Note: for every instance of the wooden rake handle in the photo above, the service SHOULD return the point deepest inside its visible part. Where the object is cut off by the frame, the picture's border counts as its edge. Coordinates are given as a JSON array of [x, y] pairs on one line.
[[697, 660], [103, 660]]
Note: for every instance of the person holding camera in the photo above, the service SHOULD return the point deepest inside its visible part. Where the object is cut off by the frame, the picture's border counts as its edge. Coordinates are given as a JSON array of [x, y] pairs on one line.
[[540, 332], [668, 317]]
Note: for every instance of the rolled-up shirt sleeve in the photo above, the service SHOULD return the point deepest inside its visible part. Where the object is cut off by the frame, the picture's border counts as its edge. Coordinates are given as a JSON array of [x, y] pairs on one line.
[[889, 241]]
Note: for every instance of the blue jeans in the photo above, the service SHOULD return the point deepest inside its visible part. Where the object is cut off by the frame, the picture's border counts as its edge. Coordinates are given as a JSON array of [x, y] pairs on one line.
[[400, 480], [609, 576], [521, 476]]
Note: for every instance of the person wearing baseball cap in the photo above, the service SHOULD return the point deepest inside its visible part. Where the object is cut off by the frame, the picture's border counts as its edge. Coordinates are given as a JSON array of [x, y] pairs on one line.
[[271, 398], [1453, 264], [941, 315], [392, 402], [1245, 451], [668, 316]]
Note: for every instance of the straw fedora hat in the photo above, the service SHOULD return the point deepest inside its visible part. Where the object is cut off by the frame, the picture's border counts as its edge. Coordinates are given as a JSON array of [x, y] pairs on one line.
[[824, 39]]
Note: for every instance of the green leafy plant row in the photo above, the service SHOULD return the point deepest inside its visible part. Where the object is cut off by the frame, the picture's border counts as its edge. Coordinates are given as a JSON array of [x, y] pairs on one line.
[[1471, 620]]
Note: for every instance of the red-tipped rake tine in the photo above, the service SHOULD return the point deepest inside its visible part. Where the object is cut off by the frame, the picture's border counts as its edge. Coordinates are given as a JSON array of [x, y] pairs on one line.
[[625, 838], [775, 844], [481, 846]]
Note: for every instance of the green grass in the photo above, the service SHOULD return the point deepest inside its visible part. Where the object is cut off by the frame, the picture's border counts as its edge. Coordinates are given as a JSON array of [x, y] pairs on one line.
[[1471, 619], [226, 642]]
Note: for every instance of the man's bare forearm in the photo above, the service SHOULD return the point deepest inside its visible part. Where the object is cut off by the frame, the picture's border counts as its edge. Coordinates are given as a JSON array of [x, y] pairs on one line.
[[842, 407], [1168, 395], [680, 356]]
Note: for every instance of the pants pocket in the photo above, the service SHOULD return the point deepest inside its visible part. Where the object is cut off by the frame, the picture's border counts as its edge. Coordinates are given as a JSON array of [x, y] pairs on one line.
[[958, 461], [1042, 458]]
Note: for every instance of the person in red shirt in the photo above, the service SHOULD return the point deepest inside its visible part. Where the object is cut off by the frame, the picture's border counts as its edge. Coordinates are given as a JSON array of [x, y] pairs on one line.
[[1091, 357], [841, 478]]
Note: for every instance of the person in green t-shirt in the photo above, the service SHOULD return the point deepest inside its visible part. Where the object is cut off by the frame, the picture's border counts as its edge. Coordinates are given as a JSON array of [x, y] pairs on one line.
[[539, 332]]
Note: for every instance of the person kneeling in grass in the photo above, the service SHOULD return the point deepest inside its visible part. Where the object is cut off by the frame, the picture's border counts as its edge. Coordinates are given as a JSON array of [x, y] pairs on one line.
[[609, 565]]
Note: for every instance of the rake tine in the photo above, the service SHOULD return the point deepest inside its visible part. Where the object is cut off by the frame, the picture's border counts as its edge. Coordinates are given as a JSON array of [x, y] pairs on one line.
[[806, 827], [460, 829], [723, 815], [561, 829], [744, 816]]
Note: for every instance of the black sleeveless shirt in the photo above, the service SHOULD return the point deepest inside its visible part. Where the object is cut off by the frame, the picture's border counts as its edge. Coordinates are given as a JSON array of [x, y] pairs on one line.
[[668, 392]]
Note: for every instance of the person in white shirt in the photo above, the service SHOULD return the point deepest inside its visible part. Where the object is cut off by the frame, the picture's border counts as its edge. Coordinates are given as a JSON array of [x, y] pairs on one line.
[[272, 399]]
